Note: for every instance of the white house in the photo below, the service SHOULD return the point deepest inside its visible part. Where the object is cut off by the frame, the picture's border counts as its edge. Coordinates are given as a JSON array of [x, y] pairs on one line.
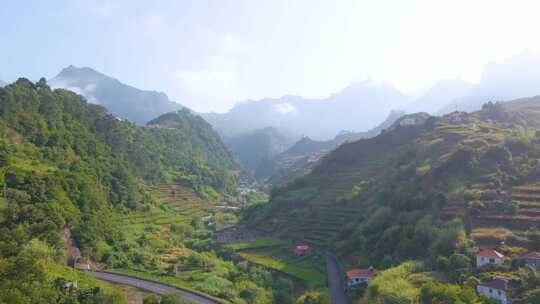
[[489, 257], [360, 276], [496, 289]]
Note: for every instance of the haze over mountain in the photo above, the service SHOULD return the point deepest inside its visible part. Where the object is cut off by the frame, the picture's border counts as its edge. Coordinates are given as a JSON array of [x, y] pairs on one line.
[[442, 93], [515, 77], [121, 100], [258, 146], [358, 107], [2, 83]]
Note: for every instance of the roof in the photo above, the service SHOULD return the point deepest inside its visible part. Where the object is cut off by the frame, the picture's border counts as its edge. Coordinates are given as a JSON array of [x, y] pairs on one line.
[[301, 247], [361, 273], [496, 283], [535, 255], [490, 253]]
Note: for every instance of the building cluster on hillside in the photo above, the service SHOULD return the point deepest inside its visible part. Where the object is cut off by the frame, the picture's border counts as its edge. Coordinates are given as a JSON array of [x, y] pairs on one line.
[[498, 288]]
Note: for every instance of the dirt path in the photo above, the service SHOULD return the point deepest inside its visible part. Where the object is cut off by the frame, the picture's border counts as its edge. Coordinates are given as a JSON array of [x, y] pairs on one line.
[[335, 281], [150, 286]]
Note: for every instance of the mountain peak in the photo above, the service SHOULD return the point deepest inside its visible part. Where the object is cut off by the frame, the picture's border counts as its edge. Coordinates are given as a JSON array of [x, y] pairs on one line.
[[120, 99]]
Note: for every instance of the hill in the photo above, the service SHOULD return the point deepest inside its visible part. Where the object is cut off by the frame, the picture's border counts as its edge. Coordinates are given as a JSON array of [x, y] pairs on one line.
[[119, 99], [300, 158], [2, 83], [69, 163], [395, 196], [126, 198]]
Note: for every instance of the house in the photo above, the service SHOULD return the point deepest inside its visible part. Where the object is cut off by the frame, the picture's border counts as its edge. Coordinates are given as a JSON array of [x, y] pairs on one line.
[[489, 257], [532, 259], [496, 289], [300, 250], [360, 276]]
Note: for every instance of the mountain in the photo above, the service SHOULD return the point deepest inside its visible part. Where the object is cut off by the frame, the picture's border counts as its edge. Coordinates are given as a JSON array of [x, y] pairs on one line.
[[300, 158], [425, 187], [515, 77], [2, 83], [358, 107], [119, 99], [440, 95], [78, 186], [257, 146]]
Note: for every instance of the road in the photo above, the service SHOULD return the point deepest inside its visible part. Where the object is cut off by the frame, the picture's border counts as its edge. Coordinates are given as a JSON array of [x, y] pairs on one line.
[[150, 286], [335, 281]]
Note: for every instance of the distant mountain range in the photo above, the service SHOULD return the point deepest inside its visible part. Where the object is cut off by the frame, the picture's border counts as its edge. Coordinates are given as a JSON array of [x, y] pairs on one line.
[[120, 99], [358, 107], [2, 83], [361, 106], [515, 77]]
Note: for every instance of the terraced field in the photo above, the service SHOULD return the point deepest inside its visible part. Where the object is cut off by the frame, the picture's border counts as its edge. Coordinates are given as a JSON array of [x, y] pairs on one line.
[[498, 221], [180, 199], [527, 197], [326, 216], [157, 221]]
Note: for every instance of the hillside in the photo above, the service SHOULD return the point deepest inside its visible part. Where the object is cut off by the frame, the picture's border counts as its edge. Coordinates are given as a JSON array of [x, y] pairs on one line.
[[128, 199], [300, 158], [256, 147], [119, 99], [416, 177]]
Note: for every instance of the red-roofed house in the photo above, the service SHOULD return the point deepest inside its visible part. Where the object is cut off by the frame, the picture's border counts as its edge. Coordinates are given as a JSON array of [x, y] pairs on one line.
[[301, 250], [495, 289], [489, 257], [532, 259], [360, 276]]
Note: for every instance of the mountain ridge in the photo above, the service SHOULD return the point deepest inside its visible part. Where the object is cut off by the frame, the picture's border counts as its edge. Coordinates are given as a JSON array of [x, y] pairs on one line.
[[121, 100]]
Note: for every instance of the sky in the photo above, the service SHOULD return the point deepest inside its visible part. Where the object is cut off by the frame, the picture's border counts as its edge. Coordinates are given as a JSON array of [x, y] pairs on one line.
[[209, 54]]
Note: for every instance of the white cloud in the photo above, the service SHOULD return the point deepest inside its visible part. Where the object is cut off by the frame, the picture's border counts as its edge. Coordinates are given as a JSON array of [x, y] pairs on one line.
[[87, 91], [215, 85], [284, 108]]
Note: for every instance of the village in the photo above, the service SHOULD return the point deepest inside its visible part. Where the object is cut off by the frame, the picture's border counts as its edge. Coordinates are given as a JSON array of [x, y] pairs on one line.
[[497, 288]]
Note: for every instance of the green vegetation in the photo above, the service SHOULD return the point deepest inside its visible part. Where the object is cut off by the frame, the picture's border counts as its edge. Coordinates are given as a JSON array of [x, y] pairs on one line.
[[278, 255], [308, 268], [66, 164], [258, 243], [432, 191]]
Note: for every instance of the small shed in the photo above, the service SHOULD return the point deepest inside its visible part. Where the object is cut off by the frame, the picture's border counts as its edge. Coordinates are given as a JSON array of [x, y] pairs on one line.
[[300, 250]]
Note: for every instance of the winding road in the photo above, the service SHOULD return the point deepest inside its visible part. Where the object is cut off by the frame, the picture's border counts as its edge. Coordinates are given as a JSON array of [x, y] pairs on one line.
[[151, 286], [335, 281]]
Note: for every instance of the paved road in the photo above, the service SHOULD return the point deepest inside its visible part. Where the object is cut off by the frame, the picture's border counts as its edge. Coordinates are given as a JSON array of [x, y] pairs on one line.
[[154, 287], [335, 281]]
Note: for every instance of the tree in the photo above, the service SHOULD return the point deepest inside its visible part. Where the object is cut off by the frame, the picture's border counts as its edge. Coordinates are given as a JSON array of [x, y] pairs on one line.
[[313, 297], [172, 298], [151, 299]]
